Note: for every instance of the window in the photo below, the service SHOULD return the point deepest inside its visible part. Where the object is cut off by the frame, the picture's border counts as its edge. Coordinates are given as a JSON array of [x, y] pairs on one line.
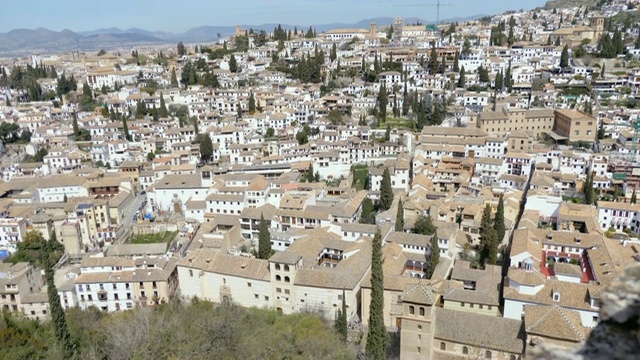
[[487, 354], [256, 296], [419, 327], [595, 319], [411, 310], [278, 290], [278, 278], [286, 279], [191, 273], [248, 284], [421, 311], [465, 350], [286, 268], [443, 346], [277, 266]]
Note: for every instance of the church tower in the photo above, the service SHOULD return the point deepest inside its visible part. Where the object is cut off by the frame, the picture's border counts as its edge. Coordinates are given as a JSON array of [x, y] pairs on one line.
[[597, 24]]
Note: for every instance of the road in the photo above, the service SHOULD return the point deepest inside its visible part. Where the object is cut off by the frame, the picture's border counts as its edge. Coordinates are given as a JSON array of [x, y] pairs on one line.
[[129, 212]]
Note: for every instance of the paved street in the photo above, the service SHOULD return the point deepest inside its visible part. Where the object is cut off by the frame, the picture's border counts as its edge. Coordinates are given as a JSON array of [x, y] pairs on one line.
[[129, 212]]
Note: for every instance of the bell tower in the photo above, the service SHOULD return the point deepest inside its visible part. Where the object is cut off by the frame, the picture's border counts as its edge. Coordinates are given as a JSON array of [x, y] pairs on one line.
[[597, 24]]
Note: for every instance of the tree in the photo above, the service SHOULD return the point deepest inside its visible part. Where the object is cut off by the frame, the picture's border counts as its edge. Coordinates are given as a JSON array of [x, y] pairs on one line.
[[466, 47], [383, 99], [386, 192], [387, 133], [434, 255], [233, 64], [602, 71], [564, 57], [141, 109], [456, 65], [461, 79], [341, 325], [390, 32], [252, 104], [376, 347], [174, 78], [264, 240], [498, 220], [57, 313], [206, 148], [368, 214], [125, 129], [181, 49], [400, 217], [162, 111], [633, 196], [601, 132], [488, 243], [76, 129], [588, 189], [423, 226], [101, 52]]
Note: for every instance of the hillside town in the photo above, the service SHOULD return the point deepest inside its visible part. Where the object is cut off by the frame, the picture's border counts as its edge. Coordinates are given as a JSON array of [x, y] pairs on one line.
[[469, 187]]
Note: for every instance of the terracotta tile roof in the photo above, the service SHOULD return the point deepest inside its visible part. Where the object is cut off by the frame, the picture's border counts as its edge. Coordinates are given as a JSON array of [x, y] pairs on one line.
[[553, 322]]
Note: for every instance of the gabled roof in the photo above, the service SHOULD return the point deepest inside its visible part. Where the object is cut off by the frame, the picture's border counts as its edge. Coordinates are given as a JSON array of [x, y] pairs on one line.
[[420, 294], [554, 322]]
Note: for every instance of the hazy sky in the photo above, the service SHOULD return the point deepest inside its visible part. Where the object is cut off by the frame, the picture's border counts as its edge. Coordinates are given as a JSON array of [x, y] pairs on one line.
[[180, 15]]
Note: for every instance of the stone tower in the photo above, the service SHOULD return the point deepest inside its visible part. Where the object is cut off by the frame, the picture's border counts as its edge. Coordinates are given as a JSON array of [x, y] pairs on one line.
[[397, 29], [373, 29], [597, 24]]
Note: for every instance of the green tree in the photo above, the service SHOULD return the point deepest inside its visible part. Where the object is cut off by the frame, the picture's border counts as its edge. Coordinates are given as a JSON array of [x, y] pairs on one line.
[[386, 192], [462, 78], [390, 32], [466, 47], [125, 129], [181, 49], [76, 128], [434, 255], [174, 78], [368, 213], [400, 217], [498, 220], [588, 189], [383, 99], [233, 64], [141, 109], [601, 132], [423, 225], [55, 307], [376, 348], [387, 133], [564, 57], [488, 243], [206, 148], [633, 196], [264, 240], [162, 111], [341, 324], [456, 65], [252, 104]]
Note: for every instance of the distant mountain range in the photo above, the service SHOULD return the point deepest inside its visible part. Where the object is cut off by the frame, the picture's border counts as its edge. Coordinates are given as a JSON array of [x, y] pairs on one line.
[[24, 41]]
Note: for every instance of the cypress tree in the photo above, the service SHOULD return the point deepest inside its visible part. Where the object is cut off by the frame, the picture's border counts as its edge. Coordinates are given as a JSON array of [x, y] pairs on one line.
[[341, 320], [125, 128], [76, 129], [588, 189], [434, 255], [633, 196], [498, 221], [252, 104], [564, 57], [57, 313], [456, 66], [386, 192], [462, 79], [264, 240], [163, 112], [376, 347], [487, 236], [400, 217], [233, 64]]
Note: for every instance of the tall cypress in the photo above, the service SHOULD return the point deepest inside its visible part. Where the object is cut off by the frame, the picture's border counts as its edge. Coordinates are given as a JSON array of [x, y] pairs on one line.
[[376, 347], [163, 112], [57, 313], [434, 255], [341, 325], [488, 248], [400, 217], [386, 192], [498, 221], [264, 240]]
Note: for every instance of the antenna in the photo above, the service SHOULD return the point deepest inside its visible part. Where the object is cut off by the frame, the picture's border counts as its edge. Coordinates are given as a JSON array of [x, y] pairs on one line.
[[437, 5]]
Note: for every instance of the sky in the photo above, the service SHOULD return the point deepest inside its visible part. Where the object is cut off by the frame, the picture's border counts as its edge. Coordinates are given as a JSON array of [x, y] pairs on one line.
[[181, 15]]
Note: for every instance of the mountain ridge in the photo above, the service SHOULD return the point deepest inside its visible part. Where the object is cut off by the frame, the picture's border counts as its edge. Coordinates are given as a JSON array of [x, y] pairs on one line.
[[22, 40]]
